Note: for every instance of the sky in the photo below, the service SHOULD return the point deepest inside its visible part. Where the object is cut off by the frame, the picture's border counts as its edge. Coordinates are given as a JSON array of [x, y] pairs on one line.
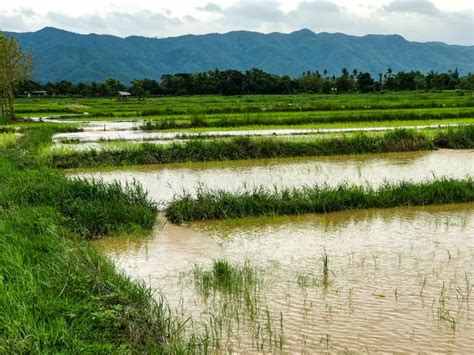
[[450, 21]]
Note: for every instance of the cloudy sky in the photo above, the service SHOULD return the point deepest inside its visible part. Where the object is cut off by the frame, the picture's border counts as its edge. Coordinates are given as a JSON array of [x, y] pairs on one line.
[[450, 21]]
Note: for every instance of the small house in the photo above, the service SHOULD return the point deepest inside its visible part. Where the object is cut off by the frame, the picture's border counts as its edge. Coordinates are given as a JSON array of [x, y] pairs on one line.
[[37, 93], [123, 95]]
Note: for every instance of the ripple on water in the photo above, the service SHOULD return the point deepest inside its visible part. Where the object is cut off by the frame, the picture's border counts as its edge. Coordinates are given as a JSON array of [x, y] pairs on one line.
[[166, 181], [396, 276]]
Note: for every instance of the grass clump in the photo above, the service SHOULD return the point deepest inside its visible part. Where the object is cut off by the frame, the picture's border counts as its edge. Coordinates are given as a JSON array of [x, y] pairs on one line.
[[317, 199], [456, 138], [241, 148], [226, 278], [7, 139]]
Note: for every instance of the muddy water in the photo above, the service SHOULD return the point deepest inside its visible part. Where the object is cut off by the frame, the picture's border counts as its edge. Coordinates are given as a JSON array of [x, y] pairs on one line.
[[398, 279], [165, 181]]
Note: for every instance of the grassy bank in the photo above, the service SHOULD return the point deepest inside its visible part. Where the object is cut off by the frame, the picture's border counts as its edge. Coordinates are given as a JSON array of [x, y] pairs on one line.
[[293, 119], [256, 148], [260, 202], [57, 293]]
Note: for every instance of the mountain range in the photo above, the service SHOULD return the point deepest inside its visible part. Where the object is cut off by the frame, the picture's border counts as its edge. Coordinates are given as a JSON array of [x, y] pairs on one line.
[[62, 55]]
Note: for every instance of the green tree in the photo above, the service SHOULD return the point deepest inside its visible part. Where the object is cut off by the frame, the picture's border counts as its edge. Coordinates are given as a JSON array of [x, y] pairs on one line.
[[14, 69], [365, 83]]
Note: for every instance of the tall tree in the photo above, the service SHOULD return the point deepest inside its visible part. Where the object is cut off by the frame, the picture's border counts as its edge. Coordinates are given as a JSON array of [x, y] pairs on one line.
[[14, 69]]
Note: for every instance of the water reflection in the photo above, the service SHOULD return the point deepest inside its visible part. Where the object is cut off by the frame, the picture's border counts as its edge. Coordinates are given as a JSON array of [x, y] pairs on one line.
[[165, 181], [392, 274]]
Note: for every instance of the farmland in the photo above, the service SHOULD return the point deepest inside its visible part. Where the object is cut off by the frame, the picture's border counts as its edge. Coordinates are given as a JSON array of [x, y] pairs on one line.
[[203, 224]]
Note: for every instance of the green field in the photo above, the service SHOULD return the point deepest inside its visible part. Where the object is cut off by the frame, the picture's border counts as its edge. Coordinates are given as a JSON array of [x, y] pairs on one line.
[[169, 106], [59, 294]]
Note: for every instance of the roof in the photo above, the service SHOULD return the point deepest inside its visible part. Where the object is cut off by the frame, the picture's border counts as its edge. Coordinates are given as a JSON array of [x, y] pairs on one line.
[[124, 93]]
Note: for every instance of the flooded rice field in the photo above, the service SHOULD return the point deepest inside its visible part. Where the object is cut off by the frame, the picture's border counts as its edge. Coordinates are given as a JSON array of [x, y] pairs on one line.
[[392, 280], [163, 182], [387, 280], [103, 131]]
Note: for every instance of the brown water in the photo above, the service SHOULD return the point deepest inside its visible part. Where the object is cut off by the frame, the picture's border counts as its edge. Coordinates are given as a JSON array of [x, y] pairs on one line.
[[165, 181], [398, 279]]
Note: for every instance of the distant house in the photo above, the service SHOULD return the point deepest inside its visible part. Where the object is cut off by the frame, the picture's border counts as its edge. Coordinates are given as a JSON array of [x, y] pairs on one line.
[[37, 93], [123, 95]]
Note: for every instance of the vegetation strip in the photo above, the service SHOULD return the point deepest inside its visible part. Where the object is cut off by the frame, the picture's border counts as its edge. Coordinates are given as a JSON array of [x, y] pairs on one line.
[[163, 107], [197, 121], [317, 199], [246, 148], [57, 293]]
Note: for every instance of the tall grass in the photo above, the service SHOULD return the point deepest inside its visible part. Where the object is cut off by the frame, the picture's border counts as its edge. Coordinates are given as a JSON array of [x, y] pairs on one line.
[[57, 293], [241, 148], [317, 199]]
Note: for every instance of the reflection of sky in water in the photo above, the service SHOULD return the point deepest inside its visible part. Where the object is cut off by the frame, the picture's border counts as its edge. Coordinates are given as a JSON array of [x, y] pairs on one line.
[[101, 132], [165, 181]]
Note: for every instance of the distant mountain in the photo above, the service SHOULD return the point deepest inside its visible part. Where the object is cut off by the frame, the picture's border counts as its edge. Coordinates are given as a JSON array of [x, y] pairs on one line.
[[62, 55]]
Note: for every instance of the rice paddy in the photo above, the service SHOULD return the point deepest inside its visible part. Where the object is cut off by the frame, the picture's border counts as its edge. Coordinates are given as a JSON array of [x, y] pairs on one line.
[[164, 238]]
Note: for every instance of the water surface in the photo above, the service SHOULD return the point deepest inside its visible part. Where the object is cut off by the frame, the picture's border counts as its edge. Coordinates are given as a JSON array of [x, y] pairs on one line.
[[392, 274], [165, 181]]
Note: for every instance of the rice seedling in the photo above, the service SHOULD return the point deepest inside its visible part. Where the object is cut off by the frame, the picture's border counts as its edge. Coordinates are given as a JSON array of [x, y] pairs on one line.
[[442, 311], [325, 280], [229, 280]]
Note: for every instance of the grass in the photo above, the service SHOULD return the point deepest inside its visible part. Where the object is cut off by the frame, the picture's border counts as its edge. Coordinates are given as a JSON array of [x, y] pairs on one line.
[[226, 278], [307, 118], [316, 199], [255, 148], [162, 106], [7, 139], [57, 293], [338, 125]]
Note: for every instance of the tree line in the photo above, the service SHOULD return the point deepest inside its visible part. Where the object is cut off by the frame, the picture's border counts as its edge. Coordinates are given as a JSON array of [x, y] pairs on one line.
[[257, 81]]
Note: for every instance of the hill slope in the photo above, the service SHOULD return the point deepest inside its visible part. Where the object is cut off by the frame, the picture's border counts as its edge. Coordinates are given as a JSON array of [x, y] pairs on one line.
[[64, 55]]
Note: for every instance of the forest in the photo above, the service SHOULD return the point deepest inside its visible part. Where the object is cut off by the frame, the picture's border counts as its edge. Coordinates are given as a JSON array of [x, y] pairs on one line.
[[256, 81]]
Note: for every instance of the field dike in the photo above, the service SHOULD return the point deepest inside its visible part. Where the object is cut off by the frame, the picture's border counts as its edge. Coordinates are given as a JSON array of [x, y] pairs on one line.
[[57, 293], [201, 121], [241, 148], [208, 205]]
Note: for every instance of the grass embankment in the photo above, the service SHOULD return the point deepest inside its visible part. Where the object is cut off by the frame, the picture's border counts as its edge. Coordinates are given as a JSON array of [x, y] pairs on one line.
[[296, 119], [223, 205], [258, 148], [57, 293]]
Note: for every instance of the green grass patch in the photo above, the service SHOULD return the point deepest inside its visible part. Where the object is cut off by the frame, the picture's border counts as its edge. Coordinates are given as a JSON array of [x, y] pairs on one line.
[[219, 204], [57, 293], [7, 139], [226, 278], [166, 106]]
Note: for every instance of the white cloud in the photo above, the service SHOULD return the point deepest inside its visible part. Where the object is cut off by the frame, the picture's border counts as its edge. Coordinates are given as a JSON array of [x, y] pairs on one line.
[[415, 19]]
